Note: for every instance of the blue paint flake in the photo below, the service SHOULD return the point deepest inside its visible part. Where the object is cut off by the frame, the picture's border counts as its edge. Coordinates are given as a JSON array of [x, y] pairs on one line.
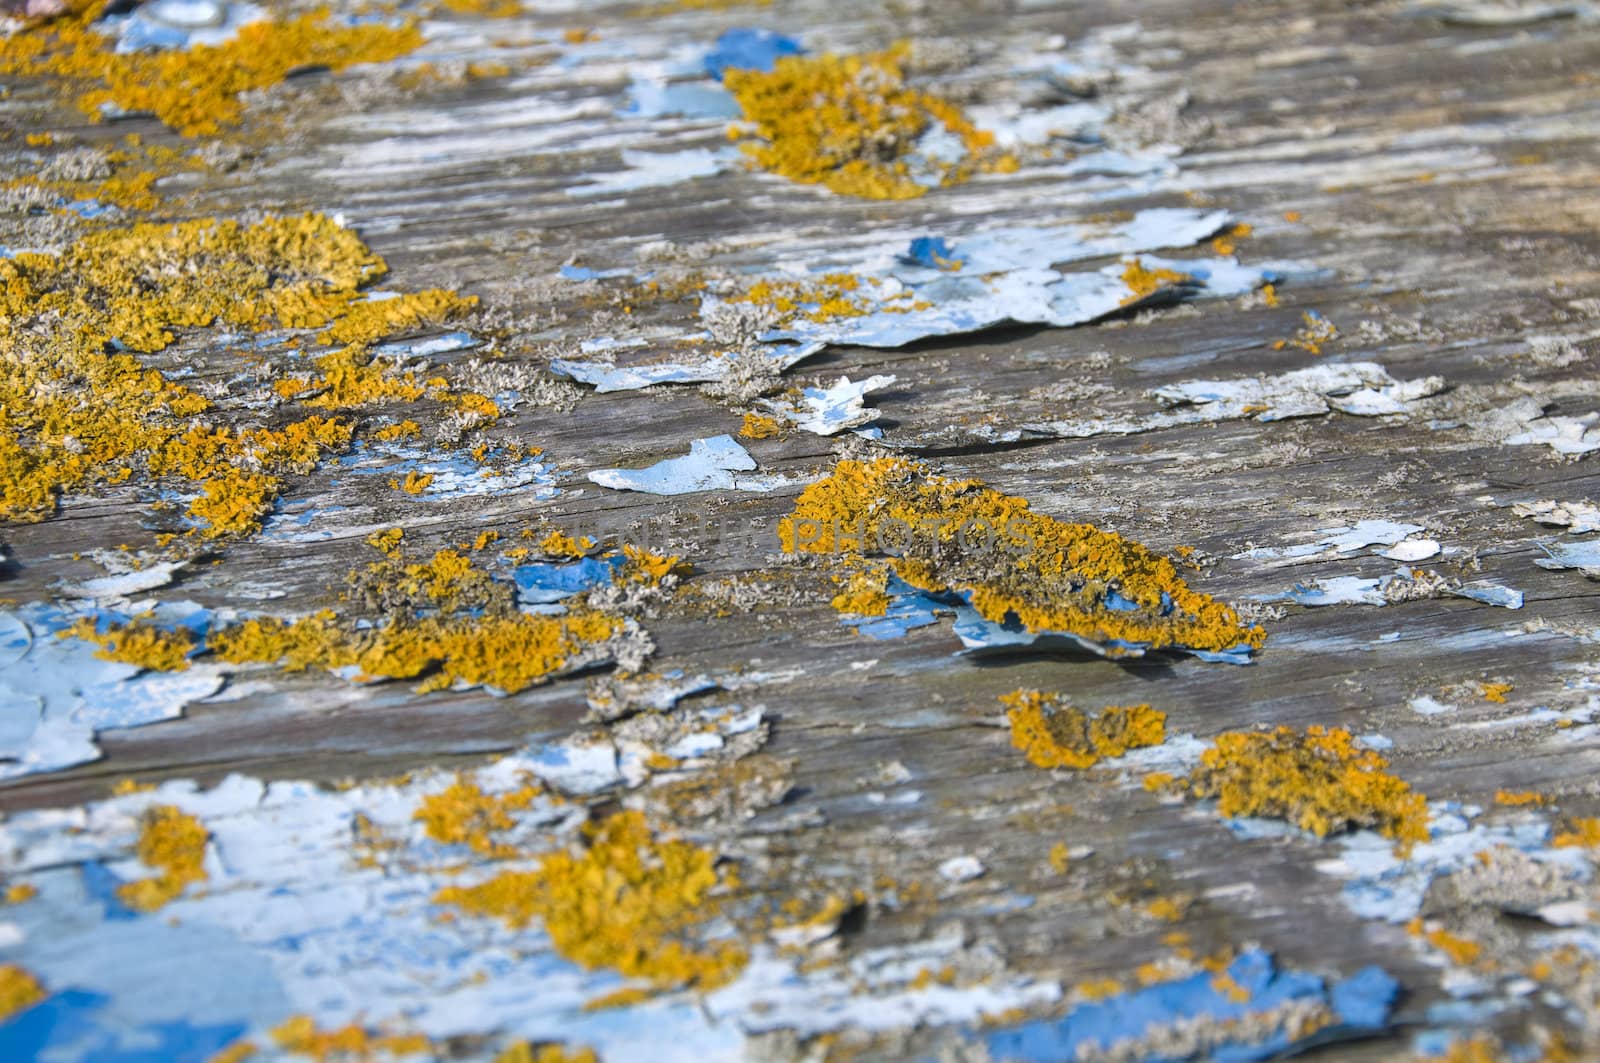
[[1361, 1004], [749, 49]]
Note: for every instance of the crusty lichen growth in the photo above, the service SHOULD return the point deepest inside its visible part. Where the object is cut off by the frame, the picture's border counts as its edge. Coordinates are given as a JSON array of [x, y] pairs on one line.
[[852, 123], [463, 814], [1319, 780], [174, 843], [865, 593], [759, 426], [631, 901], [300, 1035], [1144, 282], [78, 408], [19, 989], [957, 535], [1053, 734], [507, 653], [826, 298], [139, 642], [523, 1052], [198, 91]]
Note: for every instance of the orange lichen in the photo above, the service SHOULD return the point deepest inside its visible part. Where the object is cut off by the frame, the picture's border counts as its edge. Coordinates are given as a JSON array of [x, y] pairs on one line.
[[347, 1044], [75, 410], [1053, 734], [1495, 692], [1318, 780], [561, 545], [1314, 332], [759, 426], [18, 990], [630, 902], [523, 1052], [1012, 563], [1518, 798], [828, 297], [139, 643], [864, 593], [645, 566], [174, 843], [852, 123], [20, 893], [1144, 282], [197, 90], [506, 652], [1580, 833], [415, 483], [462, 814]]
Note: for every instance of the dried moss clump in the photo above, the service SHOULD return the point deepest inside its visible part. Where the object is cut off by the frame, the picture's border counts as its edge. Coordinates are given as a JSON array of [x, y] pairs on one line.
[[1319, 780], [1053, 734], [630, 901], [174, 843], [851, 123], [940, 535], [197, 91]]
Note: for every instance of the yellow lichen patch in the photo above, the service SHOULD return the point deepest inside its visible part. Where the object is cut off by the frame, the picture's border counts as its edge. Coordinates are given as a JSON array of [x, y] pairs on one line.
[[373, 319], [1053, 734], [234, 502], [1518, 798], [864, 593], [645, 566], [1314, 332], [559, 544], [1143, 282], [485, 8], [1226, 243], [826, 298], [174, 843], [851, 123], [415, 483], [1011, 563], [347, 1044], [389, 433], [1318, 780], [630, 901], [506, 652], [20, 893], [75, 412], [197, 90], [463, 814], [138, 643], [523, 1052], [1461, 951], [1495, 692], [18, 990], [387, 541], [1580, 833], [759, 426]]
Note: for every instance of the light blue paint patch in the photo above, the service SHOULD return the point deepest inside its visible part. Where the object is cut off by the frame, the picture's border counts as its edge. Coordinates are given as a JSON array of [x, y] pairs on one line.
[[546, 583], [749, 49], [695, 99], [1571, 555], [1490, 594], [56, 695], [1361, 1003]]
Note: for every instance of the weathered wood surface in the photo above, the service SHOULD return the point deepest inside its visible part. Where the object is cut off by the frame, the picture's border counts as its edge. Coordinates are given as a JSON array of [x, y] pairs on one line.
[[1445, 176]]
